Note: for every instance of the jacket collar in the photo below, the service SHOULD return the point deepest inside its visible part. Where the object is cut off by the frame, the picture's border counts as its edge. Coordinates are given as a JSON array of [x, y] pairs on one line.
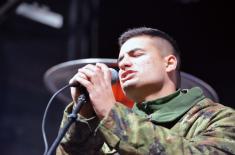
[[171, 107]]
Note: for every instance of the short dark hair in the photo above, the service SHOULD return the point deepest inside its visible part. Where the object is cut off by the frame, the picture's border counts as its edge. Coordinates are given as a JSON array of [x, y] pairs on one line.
[[146, 31]]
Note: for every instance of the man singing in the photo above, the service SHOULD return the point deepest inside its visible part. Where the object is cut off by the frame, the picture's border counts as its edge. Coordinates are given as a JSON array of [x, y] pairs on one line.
[[164, 120]]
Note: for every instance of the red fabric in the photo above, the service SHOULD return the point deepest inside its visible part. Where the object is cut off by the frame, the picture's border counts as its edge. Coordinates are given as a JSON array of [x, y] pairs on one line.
[[119, 95]]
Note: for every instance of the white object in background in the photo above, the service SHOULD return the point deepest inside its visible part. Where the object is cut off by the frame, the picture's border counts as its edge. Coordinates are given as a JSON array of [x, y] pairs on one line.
[[40, 14]]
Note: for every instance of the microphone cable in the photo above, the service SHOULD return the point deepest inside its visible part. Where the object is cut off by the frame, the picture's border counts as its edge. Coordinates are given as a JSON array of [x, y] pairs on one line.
[[45, 115]]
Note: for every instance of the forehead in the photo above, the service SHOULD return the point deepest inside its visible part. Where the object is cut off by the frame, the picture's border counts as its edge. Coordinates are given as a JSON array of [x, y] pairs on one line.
[[139, 42]]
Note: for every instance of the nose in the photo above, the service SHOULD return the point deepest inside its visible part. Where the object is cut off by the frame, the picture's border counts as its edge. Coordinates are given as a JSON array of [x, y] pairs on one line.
[[125, 62]]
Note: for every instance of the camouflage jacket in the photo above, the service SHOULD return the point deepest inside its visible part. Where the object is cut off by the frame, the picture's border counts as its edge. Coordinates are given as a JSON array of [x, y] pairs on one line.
[[203, 127]]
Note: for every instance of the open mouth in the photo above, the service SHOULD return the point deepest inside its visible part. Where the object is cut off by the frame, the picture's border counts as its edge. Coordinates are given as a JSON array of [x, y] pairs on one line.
[[127, 75]]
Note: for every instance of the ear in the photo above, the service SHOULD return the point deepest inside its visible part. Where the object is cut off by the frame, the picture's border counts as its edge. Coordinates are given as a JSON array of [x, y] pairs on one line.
[[170, 62]]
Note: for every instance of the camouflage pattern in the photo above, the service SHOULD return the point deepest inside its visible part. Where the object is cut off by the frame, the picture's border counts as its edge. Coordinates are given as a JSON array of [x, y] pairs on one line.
[[208, 128]]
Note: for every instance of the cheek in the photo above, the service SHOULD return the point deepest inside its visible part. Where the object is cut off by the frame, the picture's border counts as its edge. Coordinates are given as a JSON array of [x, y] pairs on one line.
[[143, 62], [149, 65], [153, 69]]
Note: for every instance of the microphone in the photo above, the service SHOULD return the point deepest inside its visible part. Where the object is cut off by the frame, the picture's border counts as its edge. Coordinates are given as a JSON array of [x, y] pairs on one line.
[[82, 99], [114, 78], [114, 75]]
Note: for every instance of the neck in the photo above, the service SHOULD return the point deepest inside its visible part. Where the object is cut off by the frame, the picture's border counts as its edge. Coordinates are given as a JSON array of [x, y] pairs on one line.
[[149, 94]]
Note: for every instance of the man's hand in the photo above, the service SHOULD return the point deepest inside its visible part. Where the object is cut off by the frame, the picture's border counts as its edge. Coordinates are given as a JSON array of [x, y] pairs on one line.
[[97, 80]]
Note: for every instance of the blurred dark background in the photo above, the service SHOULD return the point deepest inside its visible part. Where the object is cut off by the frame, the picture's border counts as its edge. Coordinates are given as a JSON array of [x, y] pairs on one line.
[[204, 30]]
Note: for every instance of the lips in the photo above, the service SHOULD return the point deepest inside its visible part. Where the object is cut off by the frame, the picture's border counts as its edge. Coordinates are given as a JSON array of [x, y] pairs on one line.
[[127, 75]]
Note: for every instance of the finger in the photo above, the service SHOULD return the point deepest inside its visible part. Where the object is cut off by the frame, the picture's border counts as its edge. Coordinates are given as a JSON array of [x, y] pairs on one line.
[[93, 73], [106, 71], [89, 67], [74, 93], [83, 81], [78, 80], [88, 70], [73, 79]]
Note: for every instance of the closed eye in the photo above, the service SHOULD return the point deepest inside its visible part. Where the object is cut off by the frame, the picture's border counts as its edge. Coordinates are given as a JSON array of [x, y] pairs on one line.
[[136, 53], [132, 53]]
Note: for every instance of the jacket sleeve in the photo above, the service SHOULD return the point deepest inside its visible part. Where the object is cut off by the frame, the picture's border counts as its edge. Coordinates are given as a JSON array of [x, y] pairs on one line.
[[80, 139], [132, 134]]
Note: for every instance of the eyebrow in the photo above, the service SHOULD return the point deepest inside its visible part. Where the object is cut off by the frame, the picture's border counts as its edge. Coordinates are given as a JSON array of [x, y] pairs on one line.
[[133, 50], [120, 59]]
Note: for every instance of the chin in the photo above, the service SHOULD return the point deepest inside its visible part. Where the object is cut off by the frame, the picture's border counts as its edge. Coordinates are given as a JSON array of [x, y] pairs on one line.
[[129, 85]]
